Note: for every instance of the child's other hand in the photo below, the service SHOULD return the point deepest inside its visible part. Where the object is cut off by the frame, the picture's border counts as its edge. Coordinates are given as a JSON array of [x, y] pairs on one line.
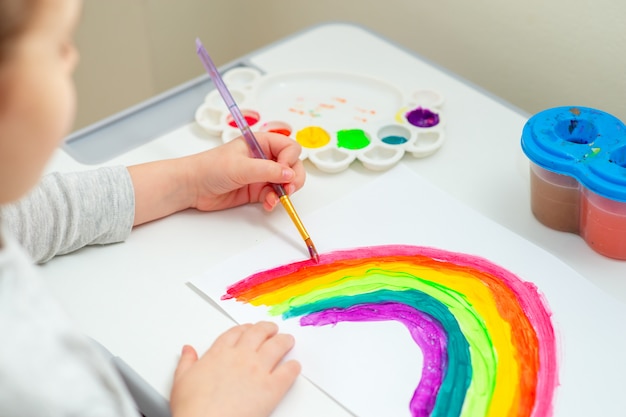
[[228, 176], [241, 375]]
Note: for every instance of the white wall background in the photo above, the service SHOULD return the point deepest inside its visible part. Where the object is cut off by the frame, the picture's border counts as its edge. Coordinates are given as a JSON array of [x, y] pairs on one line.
[[534, 54]]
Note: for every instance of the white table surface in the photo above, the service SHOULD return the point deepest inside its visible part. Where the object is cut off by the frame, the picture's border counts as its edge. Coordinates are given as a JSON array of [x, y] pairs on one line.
[[133, 297]]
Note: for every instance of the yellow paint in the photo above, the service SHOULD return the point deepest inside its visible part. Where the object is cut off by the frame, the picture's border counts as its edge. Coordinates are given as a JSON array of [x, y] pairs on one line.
[[312, 137], [468, 290], [400, 115]]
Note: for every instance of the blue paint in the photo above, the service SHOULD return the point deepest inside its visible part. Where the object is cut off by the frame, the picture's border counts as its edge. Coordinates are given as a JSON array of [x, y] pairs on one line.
[[394, 140]]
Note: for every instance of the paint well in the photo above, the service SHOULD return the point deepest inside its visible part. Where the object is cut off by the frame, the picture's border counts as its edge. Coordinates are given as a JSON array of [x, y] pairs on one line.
[[252, 117], [422, 117], [353, 139], [279, 127], [312, 137], [394, 140], [394, 134]]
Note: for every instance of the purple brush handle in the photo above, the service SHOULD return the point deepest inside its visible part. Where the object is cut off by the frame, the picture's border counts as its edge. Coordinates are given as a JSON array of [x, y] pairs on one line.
[[253, 144]]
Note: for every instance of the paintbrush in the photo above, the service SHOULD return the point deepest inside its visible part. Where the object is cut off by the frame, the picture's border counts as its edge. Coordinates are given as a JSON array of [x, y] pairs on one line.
[[253, 144]]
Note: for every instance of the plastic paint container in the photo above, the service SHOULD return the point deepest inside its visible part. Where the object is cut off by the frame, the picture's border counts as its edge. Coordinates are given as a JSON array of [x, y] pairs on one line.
[[578, 175]]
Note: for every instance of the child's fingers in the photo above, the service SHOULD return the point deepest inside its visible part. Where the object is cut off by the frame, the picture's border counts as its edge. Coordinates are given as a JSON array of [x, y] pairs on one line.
[[274, 349], [188, 357], [268, 197], [230, 337], [263, 170], [285, 374], [256, 335], [280, 147]]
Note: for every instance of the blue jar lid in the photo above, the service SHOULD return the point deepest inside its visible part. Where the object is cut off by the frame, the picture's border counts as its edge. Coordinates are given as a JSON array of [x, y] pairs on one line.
[[585, 143]]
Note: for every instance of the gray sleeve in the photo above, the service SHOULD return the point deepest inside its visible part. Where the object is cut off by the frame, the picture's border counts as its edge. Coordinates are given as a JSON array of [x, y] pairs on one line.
[[68, 211]]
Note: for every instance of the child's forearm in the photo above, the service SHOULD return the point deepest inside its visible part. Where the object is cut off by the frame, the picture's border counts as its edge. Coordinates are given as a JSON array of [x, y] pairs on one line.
[[161, 188]]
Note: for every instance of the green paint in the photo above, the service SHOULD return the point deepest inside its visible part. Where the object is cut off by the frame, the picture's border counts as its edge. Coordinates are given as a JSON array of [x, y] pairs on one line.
[[482, 353], [458, 375], [352, 139]]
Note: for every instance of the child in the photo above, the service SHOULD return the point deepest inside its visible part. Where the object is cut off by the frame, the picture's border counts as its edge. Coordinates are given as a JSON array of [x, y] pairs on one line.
[[46, 366]]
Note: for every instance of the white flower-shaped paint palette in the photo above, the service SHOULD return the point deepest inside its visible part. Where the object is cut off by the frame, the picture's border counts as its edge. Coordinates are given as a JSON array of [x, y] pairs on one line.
[[336, 117]]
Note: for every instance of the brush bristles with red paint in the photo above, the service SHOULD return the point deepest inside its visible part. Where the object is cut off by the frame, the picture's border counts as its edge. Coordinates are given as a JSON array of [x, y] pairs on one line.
[[312, 250]]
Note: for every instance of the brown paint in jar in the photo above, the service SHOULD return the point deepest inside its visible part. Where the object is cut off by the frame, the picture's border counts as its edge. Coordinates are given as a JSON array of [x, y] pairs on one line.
[[603, 224], [555, 199]]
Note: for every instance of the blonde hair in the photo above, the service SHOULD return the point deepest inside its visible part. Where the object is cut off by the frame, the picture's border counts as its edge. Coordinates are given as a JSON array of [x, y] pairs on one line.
[[15, 16]]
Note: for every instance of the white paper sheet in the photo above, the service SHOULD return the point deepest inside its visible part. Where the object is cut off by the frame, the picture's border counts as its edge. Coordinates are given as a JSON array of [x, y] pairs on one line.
[[372, 368]]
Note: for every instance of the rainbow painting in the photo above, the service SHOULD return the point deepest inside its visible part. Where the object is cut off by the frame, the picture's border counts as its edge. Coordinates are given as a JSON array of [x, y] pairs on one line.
[[487, 338]]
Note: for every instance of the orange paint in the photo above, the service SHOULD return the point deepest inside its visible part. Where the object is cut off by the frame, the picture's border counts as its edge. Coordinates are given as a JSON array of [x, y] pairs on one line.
[[281, 131], [361, 110], [496, 296], [603, 224], [297, 111], [279, 127]]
